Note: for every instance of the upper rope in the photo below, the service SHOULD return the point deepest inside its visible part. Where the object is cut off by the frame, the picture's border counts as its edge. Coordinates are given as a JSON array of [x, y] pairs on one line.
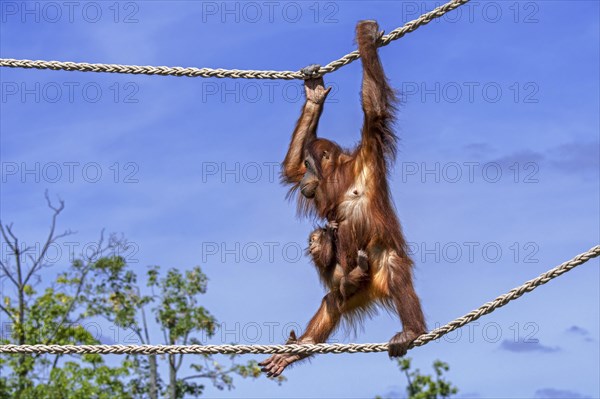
[[232, 73]]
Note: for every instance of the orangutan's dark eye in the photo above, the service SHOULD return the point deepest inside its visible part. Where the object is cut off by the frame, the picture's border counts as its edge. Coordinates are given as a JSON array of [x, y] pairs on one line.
[[306, 164]]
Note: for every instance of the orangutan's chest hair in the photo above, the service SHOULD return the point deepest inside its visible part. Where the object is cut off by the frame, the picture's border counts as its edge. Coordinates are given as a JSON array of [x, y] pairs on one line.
[[355, 202]]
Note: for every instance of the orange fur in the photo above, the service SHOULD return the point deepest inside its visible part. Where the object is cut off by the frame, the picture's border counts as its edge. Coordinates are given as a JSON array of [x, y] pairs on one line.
[[351, 188]]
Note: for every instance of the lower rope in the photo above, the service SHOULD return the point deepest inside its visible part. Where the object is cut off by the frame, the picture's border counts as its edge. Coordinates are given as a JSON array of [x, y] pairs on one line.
[[486, 308]]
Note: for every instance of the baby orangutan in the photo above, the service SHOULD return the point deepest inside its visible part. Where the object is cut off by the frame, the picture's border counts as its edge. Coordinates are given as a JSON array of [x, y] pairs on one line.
[[344, 283]]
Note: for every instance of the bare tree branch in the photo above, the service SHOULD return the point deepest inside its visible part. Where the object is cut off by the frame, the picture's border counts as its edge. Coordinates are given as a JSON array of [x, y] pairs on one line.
[[58, 209], [2, 308], [8, 274], [15, 239], [37, 263], [8, 241]]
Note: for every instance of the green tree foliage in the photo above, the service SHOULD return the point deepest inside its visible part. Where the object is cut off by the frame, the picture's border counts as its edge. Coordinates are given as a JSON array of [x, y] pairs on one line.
[[50, 315], [102, 285], [421, 386], [175, 302]]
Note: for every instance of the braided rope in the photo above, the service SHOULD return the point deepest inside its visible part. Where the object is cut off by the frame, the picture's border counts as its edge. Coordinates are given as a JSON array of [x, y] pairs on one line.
[[486, 308], [231, 73]]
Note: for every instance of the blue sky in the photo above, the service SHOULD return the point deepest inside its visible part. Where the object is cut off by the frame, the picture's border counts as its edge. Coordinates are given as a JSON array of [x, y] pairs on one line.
[[497, 177]]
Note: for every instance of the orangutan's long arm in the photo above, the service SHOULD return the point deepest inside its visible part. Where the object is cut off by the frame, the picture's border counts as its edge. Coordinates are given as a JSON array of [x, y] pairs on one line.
[[305, 131], [378, 142]]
